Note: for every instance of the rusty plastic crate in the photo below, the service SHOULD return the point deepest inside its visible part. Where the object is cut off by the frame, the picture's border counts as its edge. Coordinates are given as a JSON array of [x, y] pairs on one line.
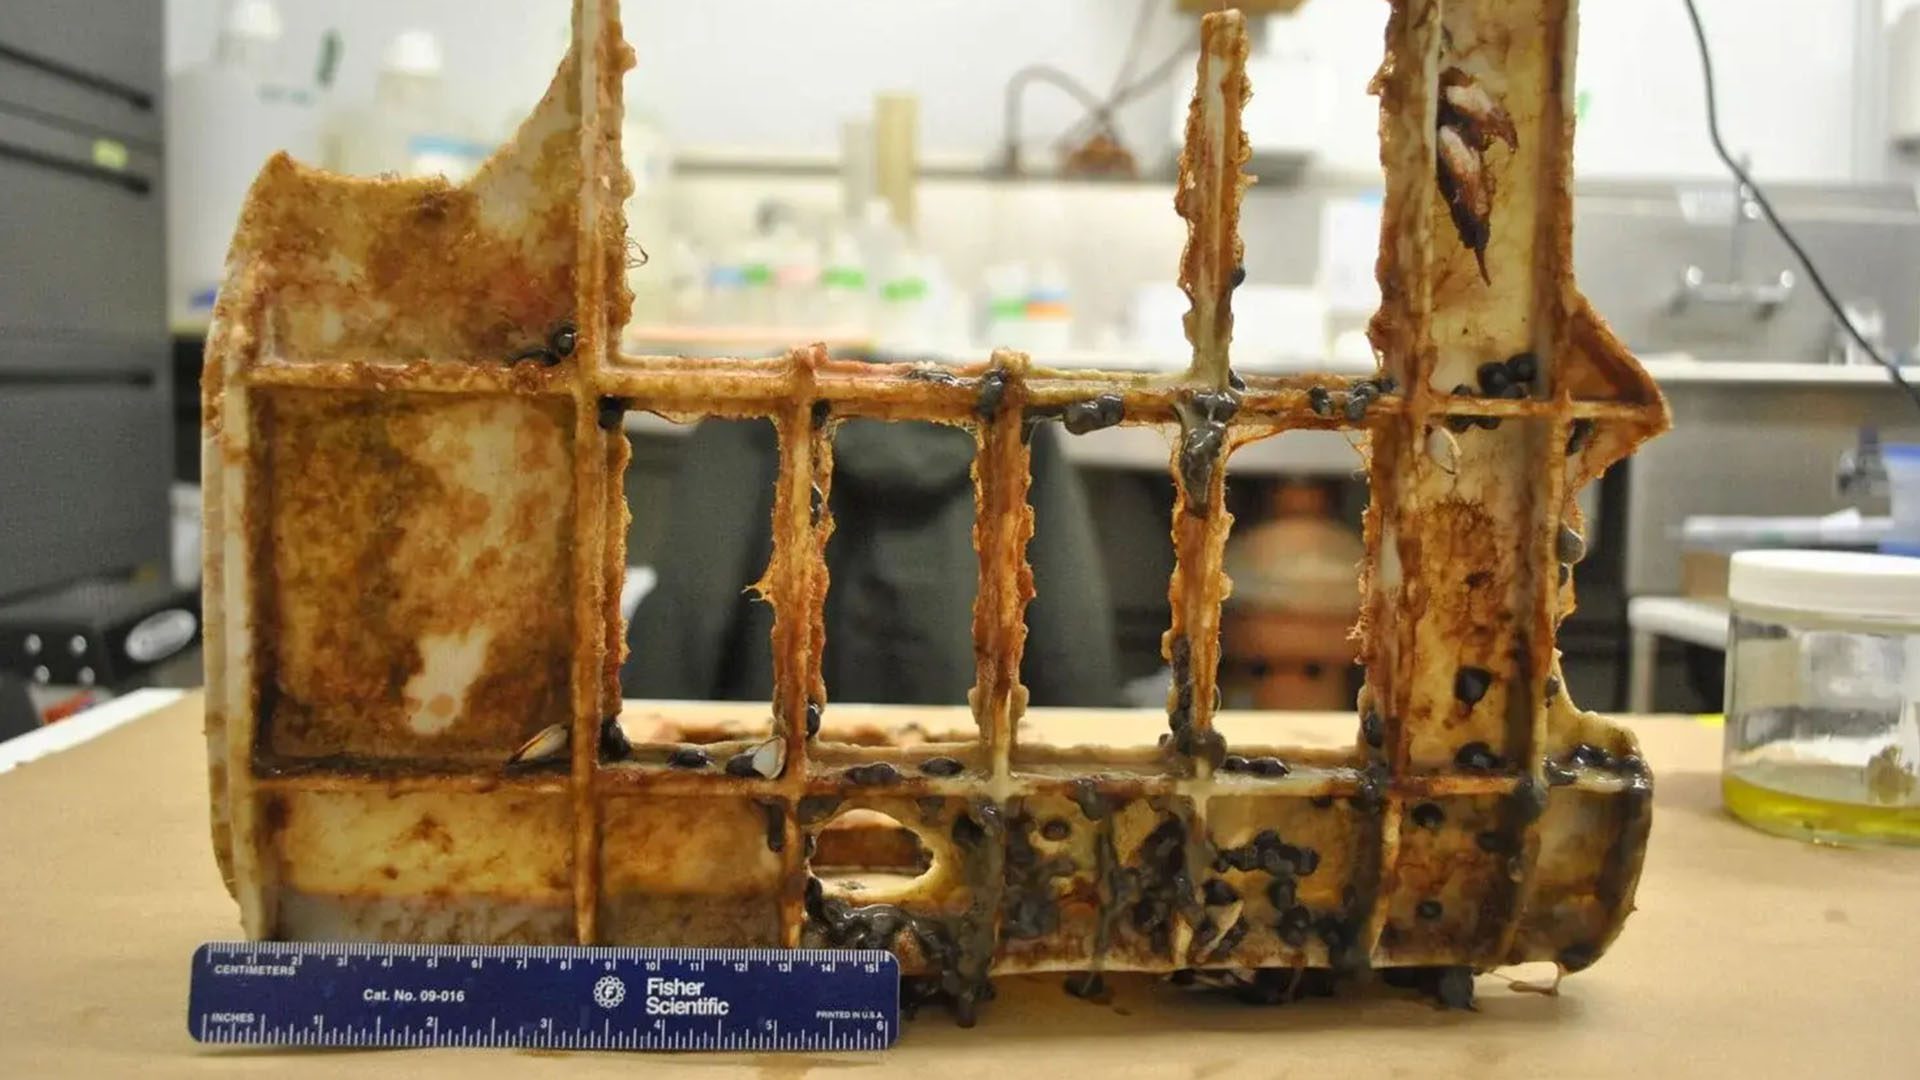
[[415, 537]]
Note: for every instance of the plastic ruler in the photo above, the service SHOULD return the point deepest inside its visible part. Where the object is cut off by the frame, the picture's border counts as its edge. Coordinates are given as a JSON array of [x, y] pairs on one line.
[[567, 998]]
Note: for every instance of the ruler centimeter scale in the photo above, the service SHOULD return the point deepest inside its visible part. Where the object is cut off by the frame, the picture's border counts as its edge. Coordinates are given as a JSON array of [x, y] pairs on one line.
[[548, 997]]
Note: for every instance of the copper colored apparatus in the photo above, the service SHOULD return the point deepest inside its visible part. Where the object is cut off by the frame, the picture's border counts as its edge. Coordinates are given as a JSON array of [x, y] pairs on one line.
[[413, 397]]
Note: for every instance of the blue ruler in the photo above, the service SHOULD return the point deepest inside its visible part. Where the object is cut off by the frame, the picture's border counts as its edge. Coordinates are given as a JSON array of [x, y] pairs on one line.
[[566, 998]]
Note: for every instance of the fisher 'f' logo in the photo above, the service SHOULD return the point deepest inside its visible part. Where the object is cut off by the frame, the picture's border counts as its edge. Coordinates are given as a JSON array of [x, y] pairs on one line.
[[609, 991]]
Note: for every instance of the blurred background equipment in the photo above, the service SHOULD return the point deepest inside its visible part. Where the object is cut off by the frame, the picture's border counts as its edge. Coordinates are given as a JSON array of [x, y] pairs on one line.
[[949, 179], [84, 393], [412, 127], [1286, 631], [225, 115], [1902, 465]]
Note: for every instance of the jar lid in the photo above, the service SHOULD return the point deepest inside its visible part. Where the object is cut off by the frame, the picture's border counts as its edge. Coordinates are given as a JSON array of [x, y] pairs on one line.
[[1829, 582]]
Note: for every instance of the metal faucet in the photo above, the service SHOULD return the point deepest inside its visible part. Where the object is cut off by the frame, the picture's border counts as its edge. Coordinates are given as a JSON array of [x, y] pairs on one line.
[[1735, 291], [1862, 472]]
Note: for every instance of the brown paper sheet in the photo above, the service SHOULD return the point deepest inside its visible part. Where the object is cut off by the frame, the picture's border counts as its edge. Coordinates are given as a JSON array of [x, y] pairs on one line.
[[1749, 956]]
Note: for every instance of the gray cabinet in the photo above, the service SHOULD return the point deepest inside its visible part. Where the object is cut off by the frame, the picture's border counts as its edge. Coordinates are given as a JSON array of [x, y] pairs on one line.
[[85, 449]]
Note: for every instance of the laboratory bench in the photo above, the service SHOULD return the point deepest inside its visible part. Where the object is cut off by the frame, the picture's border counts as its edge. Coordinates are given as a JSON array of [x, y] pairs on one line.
[[1747, 954]]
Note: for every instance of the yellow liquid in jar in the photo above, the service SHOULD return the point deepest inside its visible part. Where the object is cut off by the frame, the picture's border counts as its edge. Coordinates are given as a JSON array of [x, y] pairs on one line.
[[1817, 801]]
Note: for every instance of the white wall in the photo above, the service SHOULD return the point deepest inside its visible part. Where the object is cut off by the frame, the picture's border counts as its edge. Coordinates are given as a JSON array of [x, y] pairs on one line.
[[499, 53], [1782, 69], [779, 76], [774, 75]]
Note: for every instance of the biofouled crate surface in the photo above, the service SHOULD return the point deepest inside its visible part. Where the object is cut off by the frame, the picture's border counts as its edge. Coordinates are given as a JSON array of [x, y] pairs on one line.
[[413, 400]]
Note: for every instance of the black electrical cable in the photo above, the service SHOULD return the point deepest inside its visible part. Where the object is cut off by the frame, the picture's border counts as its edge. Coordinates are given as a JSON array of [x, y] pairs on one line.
[[1766, 208]]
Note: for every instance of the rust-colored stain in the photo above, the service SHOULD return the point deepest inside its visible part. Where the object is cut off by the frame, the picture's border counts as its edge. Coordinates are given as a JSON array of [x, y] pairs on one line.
[[415, 538], [403, 543]]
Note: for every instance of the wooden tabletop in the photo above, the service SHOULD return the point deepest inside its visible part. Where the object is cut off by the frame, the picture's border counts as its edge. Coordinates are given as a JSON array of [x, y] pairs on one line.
[[1749, 956]]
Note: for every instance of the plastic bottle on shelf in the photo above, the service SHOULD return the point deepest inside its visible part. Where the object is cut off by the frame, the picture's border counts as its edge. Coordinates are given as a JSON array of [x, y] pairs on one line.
[[411, 128], [1007, 286], [1049, 312], [881, 242], [900, 321], [896, 273], [845, 303], [756, 282], [725, 303], [796, 279], [948, 316], [649, 160], [223, 119], [686, 274]]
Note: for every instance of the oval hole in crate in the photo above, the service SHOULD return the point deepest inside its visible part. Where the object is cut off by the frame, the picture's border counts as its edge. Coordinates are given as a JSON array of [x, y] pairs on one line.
[[866, 856]]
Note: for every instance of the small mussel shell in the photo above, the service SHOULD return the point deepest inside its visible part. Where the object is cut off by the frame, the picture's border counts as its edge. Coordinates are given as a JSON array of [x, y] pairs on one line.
[[1470, 684], [1579, 433], [1081, 417], [1477, 756], [1294, 924], [1590, 756], [1217, 892], [765, 760], [1494, 378], [689, 757], [992, 391], [1570, 546], [872, 774], [1223, 920], [1373, 729], [770, 757], [614, 745], [548, 742]]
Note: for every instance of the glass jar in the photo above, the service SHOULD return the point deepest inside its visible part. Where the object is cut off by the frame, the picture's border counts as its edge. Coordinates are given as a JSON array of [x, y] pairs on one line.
[[1823, 695]]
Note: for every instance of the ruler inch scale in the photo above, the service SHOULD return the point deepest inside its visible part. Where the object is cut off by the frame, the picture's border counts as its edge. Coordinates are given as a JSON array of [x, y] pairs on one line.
[[550, 997]]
